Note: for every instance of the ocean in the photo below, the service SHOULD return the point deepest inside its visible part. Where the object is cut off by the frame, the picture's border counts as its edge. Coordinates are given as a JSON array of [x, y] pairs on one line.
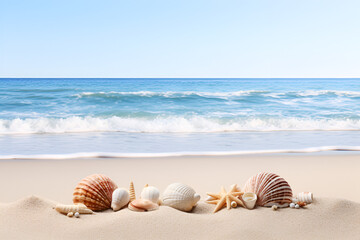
[[63, 118]]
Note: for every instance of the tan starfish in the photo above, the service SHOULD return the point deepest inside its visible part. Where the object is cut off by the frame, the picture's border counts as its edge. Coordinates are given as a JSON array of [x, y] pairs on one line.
[[225, 198]]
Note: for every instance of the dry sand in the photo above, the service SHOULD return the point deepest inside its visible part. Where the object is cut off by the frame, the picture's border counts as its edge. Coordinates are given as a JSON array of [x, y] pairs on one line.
[[333, 178]]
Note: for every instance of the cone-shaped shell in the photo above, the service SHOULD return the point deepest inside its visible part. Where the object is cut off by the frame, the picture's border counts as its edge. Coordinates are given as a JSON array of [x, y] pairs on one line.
[[120, 198], [180, 196], [95, 192], [270, 189]]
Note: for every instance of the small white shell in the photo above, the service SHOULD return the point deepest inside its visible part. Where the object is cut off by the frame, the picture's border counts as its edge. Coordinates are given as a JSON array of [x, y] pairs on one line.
[[70, 214], [306, 197], [77, 215], [292, 205], [180, 196], [120, 198], [150, 193], [297, 206]]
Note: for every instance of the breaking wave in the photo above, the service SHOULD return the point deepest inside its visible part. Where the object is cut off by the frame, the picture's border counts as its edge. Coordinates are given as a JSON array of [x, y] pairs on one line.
[[175, 124]]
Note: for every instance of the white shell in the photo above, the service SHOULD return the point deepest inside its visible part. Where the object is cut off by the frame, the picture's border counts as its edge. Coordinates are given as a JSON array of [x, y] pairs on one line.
[[150, 193], [120, 198], [306, 197], [292, 205], [180, 196], [249, 199]]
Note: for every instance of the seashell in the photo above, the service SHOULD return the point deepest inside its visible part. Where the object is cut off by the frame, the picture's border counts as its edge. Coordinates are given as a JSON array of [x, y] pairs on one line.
[[233, 204], [306, 197], [95, 191], [132, 192], [297, 206], [120, 198], [77, 215], [142, 205], [150, 193], [249, 199], [301, 204], [66, 209], [180, 196], [270, 189], [274, 207], [70, 214], [292, 205]]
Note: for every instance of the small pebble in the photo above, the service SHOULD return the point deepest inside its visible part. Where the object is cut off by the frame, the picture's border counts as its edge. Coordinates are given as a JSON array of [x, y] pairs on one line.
[[233, 204], [77, 215], [70, 214], [292, 205], [297, 206], [274, 207]]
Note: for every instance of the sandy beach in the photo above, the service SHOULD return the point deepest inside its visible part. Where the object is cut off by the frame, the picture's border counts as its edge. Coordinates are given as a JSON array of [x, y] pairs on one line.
[[31, 188]]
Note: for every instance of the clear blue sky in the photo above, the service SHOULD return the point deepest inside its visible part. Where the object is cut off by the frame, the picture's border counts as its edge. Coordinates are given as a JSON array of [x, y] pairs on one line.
[[179, 38]]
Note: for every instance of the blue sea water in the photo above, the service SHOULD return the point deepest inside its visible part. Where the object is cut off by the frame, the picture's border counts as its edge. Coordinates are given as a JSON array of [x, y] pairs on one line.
[[118, 117]]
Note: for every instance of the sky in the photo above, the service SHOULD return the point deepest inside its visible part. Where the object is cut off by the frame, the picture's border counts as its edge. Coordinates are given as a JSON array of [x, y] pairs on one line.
[[169, 38]]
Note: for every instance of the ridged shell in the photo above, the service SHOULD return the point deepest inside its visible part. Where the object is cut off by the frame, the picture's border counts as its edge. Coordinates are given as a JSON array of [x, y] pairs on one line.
[[150, 193], [95, 192], [180, 196], [120, 198], [270, 189], [306, 197]]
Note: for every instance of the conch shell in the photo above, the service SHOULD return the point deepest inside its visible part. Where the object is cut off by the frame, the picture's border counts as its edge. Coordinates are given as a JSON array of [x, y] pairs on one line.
[[180, 196], [120, 198], [150, 193], [80, 208], [270, 189], [142, 205], [95, 191]]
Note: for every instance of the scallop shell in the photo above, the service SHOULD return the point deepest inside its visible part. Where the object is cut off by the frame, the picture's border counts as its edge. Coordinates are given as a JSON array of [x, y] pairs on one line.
[[150, 193], [95, 192], [270, 189], [120, 197], [180, 196], [142, 205]]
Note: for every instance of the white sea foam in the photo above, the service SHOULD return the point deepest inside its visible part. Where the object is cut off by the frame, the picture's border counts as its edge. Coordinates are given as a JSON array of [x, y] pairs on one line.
[[306, 93], [176, 154], [175, 124]]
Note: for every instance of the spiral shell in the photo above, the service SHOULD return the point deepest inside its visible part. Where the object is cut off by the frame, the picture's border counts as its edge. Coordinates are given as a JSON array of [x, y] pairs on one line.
[[270, 189], [150, 193], [306, 197], [120, 198], [180, 196], [95, 192]]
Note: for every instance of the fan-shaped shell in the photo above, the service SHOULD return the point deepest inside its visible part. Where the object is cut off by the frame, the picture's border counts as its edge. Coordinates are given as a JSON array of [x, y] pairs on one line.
[[120, 197], [180, 196], [95, 192], [270, 189]]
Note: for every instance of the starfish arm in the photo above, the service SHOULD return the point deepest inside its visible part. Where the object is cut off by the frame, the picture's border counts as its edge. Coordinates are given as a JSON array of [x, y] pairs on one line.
[[213, 202], [228, 203], [237, 193], [238, 201], [220, 204], [223, 191], [214, 195], [233, 188]]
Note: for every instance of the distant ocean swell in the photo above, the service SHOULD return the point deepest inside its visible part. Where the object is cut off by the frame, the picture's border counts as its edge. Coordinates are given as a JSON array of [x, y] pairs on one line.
[[172, 124]]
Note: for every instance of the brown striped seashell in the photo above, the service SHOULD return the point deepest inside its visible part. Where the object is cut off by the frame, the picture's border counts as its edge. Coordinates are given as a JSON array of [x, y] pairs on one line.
[[95, 192], [270, 189], [142, 205]]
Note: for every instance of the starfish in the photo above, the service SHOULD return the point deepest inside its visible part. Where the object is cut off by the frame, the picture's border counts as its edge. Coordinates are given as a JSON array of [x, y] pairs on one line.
[[225, 198]]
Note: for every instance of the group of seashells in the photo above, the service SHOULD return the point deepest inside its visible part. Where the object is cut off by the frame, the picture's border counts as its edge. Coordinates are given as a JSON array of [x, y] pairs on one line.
[[98, 192], [263, 189]]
